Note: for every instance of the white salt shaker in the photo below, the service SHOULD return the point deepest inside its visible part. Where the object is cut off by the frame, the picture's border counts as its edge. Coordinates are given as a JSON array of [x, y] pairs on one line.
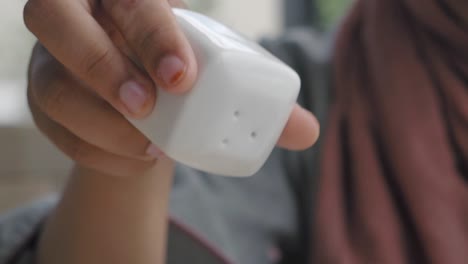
[[230, 121]]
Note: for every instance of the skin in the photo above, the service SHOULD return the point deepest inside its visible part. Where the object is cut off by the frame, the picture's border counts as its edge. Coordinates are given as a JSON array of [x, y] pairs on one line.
[[114, 208]]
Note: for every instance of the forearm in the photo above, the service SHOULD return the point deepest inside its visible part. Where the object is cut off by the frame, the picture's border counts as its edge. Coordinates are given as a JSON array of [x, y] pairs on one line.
[[104, 219]]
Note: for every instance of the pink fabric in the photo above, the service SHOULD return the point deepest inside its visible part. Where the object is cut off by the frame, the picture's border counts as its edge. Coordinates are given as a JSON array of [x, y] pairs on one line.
[[395, 158]]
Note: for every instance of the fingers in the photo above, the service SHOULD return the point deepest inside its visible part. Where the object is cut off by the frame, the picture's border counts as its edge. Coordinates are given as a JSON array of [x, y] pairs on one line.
[[66, 101], [301, 132], [151, 30], [82, 46], [114, 34], [86, 154]]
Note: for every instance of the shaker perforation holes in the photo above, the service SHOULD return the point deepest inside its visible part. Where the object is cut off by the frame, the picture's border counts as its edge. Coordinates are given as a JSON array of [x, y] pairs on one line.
[[253, 135]]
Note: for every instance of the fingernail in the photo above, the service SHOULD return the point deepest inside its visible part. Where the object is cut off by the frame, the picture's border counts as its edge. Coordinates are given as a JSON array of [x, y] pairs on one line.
[[171, 70], [154, 151], [133, 96]]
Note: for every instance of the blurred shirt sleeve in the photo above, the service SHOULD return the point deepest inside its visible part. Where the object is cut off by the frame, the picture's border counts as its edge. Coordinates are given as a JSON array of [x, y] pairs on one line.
[[19, 230]]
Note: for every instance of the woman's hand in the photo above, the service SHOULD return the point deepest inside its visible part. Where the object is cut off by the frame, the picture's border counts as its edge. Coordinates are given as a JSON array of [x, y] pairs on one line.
[[83, 78], [82, 81]]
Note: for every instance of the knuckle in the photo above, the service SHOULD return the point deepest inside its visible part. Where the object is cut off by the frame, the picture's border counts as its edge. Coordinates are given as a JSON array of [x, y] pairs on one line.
[[34, 11], [96, 62], [52, 97], [29, 13], [159, 36], [48, 86]]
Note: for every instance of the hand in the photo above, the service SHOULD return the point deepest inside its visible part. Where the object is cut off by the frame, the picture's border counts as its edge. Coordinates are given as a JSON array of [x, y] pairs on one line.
[[83, 78]]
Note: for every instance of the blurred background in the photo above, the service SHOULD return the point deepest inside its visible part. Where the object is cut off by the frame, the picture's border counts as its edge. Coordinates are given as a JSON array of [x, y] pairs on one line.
[[30, 167]]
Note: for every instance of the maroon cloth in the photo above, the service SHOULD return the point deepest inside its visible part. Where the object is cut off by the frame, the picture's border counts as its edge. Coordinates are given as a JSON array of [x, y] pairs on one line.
[[393, 172]]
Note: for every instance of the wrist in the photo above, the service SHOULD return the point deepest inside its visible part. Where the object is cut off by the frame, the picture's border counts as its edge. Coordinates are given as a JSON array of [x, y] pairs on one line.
[[100, 217]]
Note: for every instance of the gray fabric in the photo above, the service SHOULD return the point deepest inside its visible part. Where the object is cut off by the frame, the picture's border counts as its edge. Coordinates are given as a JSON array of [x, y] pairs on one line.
[[18, 225], [242, 217], [309, 53], [183, 248]]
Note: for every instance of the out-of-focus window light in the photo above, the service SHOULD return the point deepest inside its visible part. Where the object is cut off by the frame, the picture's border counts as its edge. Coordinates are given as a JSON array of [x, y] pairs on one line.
[[16, 41], [13, 110], [254, 19], [15, 49]]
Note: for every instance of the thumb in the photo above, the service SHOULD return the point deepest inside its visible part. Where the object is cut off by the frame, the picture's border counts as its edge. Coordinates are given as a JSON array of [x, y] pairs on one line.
[[153, 34]]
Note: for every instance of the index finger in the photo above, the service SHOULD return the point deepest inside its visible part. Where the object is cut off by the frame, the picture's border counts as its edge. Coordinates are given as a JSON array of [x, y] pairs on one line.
[[153, 34], [70, 33]]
